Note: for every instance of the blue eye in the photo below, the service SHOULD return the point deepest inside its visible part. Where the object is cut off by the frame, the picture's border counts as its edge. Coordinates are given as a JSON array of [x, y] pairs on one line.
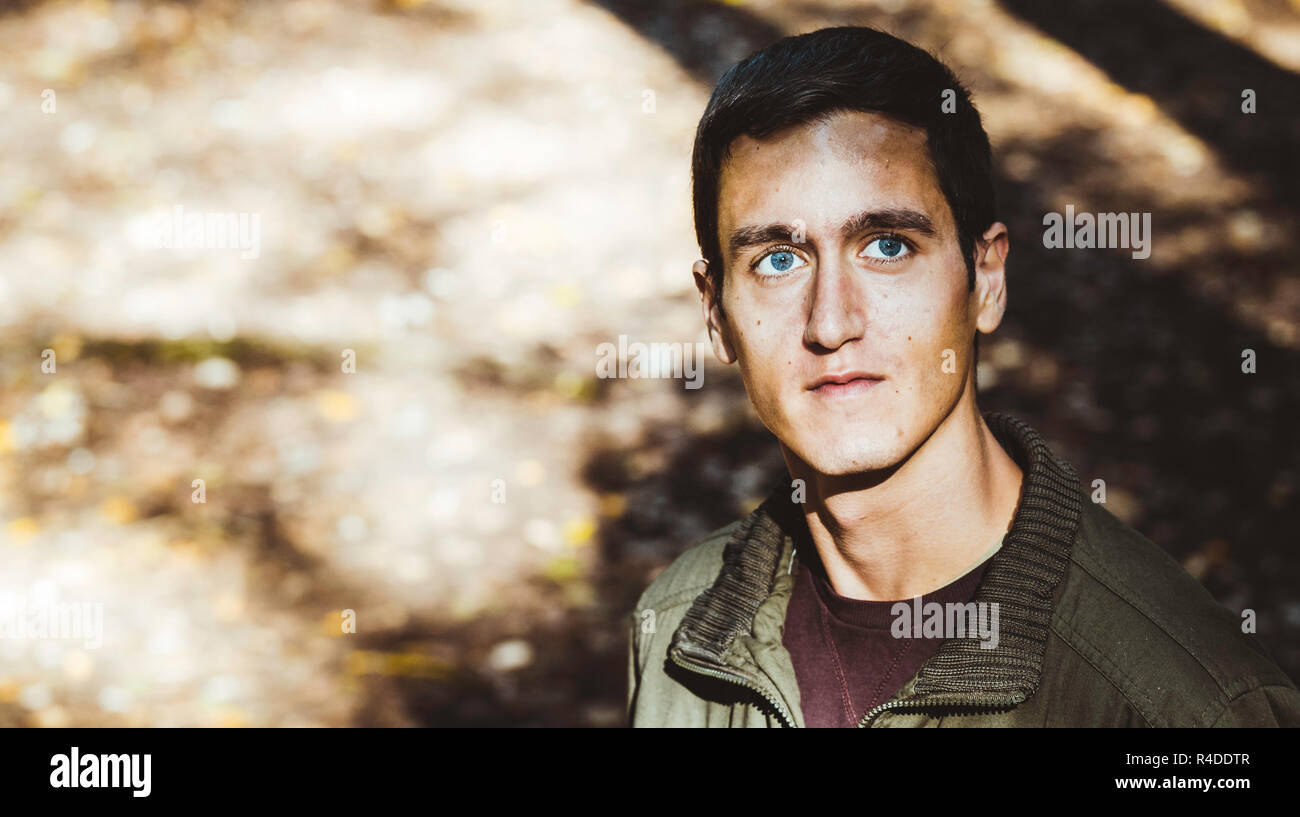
[[779, 262], [887, 247]]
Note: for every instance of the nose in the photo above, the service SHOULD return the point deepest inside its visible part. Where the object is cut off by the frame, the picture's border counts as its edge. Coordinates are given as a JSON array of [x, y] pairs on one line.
[[836, 308]]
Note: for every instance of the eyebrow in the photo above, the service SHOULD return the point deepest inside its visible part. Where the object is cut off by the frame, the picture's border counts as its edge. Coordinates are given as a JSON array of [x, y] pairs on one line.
[[743, 238], [899, 219]]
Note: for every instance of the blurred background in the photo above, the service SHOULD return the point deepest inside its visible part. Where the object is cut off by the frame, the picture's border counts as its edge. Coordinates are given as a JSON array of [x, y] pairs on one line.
[[464, 198]]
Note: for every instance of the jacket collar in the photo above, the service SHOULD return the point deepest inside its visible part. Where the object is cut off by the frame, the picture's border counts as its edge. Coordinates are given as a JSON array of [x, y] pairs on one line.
[[1020, 578]]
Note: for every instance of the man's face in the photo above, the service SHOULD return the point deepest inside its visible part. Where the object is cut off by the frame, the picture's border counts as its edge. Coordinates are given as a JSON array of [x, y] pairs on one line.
[[845, 290]]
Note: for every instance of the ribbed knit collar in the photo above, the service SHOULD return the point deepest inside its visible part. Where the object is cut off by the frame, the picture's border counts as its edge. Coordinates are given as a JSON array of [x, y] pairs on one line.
[[1020, 578]]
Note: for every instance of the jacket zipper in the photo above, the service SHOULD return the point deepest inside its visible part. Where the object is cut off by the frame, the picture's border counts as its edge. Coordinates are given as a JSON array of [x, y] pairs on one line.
[[919, 703], [737, 678], [787, 720]]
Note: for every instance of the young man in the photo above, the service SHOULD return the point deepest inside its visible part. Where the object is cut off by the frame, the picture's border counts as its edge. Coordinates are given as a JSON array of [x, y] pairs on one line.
[[923, 564]]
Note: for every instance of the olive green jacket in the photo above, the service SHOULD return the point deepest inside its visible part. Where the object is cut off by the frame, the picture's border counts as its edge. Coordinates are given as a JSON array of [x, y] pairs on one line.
[[1098, 627]]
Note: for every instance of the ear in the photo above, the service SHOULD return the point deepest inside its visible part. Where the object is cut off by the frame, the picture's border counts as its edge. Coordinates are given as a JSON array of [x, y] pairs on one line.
[[711, 304], [989, 300]]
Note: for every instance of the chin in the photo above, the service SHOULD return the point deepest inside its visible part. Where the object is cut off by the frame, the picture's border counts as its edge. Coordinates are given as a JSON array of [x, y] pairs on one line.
[[843, 455]]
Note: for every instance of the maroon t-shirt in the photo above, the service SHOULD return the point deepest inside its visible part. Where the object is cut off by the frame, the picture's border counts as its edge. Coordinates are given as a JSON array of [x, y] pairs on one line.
[[846, 660]]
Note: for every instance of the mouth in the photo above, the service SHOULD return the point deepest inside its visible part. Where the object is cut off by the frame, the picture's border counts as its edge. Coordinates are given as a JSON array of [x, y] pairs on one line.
[[844, 384]]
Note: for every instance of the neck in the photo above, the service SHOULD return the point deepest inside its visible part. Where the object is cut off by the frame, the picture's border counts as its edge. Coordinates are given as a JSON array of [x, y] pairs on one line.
[[921, 524]]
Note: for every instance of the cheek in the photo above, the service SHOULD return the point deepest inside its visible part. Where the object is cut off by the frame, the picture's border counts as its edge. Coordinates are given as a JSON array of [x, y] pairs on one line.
[[920, 326], [766, 329], [768, 343], [764, 362]]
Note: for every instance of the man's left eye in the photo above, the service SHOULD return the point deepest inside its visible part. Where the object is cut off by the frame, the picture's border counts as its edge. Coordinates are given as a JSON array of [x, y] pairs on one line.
[[887, 248]]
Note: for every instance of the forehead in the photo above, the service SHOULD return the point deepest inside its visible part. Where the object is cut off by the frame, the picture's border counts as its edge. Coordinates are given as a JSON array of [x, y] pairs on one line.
[[828, 170]]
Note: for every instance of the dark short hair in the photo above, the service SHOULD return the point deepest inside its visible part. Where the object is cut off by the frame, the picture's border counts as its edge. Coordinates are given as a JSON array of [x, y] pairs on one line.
[[801, 79]]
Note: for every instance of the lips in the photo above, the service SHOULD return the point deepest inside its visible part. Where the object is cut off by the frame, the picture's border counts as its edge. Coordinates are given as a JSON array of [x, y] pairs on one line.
[[838, 384]]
